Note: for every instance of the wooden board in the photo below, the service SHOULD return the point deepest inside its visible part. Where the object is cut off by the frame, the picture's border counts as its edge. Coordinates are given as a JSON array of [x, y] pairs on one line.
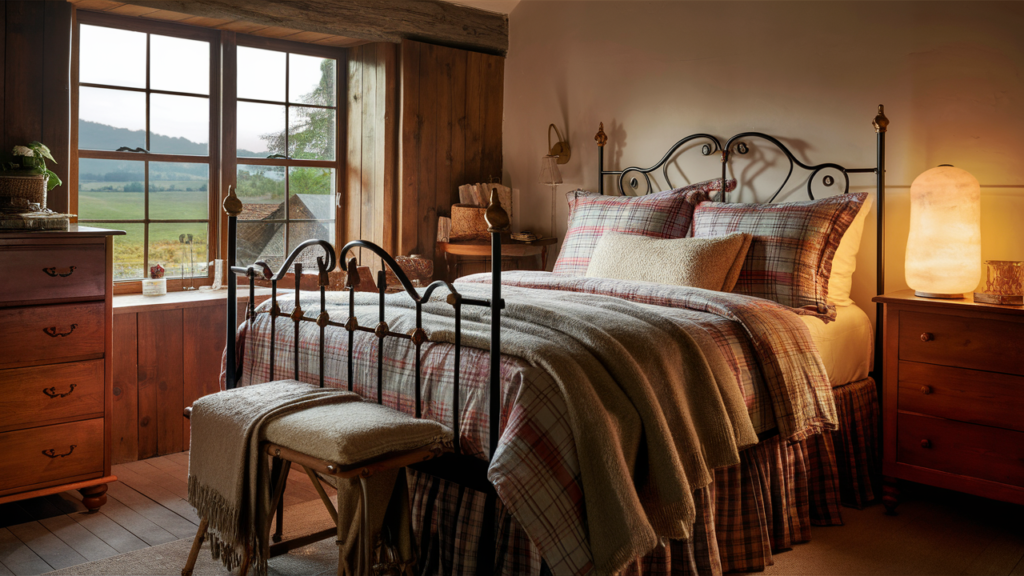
[[161, 388], [205, 333], [124, 436]]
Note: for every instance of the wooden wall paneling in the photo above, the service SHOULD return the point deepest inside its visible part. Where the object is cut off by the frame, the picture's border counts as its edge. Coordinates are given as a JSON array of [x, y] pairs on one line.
[[203, 342], [493, 99], [161, 388], [124, 435], [56, 97], [368, 228], [459, 61], [354, 113], [72, 182], [412, 138], [426, 158], [387, 142], [3, 73], [443, 186], [23, 72], [476, 76]]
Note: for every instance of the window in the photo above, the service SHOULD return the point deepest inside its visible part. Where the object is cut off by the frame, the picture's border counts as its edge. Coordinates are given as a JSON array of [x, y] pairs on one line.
[[287, 165], [147, 144], [163, 132]]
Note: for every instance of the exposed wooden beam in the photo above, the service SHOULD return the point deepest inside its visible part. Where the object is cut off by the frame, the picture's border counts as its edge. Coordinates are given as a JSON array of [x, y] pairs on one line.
[[430, 21]]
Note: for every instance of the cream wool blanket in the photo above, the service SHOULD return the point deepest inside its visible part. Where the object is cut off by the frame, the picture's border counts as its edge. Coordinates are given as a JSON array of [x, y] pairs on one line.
[[228, 480], [652, 406]]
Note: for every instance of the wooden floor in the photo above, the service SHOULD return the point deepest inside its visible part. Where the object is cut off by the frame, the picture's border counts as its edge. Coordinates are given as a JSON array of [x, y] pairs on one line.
[[146, 507]]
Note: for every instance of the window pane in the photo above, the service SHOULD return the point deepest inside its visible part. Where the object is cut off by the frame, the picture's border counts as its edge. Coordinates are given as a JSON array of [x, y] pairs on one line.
[[311, 194], [128, 249], [260, 185], [109, 119], [311, 80], [261, 74], [301, 231], [311, 133], [178, 258], [179, 125], [260, 130], [111, 189], [112, 56], [178, 191], [260, 241], [179, 65]]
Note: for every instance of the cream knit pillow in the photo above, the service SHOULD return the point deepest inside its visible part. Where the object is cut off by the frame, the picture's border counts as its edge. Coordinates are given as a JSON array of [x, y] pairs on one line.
[[709, 263]]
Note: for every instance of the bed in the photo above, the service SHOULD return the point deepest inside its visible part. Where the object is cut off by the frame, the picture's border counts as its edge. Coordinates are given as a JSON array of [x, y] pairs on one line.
[[511, 499]]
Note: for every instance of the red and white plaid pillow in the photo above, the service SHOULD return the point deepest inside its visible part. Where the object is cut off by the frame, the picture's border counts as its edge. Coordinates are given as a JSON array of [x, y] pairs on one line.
[[790, 258], [663, 215]]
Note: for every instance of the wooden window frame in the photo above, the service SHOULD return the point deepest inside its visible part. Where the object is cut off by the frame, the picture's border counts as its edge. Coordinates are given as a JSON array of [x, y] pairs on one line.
[[223, 122], [230, 42], [213, 157]]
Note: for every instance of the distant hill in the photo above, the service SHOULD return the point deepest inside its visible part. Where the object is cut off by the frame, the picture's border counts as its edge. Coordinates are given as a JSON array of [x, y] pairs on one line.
[[96, 136]]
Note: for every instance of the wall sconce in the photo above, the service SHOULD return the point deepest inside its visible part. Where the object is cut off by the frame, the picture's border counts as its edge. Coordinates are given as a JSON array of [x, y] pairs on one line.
[[550, 175], [944, 247], [561, 148]]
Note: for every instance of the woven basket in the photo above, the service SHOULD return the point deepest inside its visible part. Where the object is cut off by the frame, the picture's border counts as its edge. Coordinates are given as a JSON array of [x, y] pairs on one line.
[[468, 223], [30, 187]]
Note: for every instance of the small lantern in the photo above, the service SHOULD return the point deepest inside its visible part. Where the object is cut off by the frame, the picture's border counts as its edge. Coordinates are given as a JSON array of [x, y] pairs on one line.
[[944, 247]]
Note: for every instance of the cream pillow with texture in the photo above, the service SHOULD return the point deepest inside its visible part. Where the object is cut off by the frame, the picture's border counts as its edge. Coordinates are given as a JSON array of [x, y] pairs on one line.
[[709, 263], [844, 263]]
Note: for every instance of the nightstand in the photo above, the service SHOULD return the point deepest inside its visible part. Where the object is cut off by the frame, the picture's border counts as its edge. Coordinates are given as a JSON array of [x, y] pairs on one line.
[[462, 258], [953, 396]]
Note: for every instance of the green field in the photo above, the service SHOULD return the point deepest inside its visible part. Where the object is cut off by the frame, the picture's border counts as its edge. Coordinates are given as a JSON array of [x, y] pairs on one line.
[[99, 207]]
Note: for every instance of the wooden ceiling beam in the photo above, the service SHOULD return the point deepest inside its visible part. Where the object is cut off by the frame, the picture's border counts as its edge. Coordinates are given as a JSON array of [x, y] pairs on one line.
[[430, 21]]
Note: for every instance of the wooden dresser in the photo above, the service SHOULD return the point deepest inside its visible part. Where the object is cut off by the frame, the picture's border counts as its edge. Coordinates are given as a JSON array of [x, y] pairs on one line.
[[953, 400], [55, 363]]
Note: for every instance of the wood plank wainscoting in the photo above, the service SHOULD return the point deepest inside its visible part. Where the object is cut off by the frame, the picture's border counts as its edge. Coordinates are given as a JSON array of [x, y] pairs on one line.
[[167, 354]]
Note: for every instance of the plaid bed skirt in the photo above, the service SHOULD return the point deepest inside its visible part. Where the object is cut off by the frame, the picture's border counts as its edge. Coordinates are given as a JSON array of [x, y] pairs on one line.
[[765, 504]]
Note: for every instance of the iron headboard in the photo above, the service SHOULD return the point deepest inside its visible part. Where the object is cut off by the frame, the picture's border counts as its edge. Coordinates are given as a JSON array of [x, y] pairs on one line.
[[737, 145]]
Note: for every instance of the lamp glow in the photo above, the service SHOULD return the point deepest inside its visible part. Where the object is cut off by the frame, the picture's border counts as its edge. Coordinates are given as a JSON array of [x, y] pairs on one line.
[[944, 247]]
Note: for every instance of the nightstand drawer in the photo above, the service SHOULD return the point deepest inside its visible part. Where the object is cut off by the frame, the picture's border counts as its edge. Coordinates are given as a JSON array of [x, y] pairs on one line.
[[46, 334], [965, 449], [40, 455], [966, 395], [961, 341], [53, 272], [48, 393]]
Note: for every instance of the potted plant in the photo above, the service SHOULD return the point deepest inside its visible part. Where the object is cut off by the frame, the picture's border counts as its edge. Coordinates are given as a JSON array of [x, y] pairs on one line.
[[25, 179]]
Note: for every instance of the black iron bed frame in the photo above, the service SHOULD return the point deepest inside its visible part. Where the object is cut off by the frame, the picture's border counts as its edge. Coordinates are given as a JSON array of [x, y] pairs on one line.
[[457, 467]]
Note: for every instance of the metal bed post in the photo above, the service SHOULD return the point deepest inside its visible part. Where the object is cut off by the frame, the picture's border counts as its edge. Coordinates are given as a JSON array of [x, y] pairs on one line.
[[601, 139], [233, 207], [881, 124]]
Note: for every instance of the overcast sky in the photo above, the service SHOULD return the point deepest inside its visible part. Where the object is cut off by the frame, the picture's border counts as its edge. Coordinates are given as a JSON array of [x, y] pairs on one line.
[[118, 58]]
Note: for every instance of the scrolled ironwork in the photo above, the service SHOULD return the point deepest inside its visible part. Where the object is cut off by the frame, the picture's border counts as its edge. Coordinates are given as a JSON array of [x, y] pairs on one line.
[[713, 146], [399, 273], [793, 163], [267, 272]]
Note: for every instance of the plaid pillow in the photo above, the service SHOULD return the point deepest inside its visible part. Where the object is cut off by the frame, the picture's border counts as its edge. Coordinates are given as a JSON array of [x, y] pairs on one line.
[[790, 259], [662, 215]]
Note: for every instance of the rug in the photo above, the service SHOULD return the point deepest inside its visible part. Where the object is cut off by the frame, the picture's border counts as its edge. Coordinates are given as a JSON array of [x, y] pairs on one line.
[[168, 559]]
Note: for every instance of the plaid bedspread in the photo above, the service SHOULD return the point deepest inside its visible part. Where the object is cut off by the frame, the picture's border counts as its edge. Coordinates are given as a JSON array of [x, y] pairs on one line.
[[535, 469]]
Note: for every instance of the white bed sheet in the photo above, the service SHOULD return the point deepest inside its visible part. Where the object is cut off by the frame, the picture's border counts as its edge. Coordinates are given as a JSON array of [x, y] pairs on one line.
[[846, 345]]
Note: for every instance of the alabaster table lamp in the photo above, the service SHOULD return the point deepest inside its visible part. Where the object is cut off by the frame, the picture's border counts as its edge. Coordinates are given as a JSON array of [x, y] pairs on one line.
[[944, 247]]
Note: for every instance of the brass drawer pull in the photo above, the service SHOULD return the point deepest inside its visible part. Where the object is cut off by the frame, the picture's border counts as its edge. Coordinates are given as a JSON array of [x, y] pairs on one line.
[[53, 273], [927, 337], [926, 443], [52, 391], [52, 452], [53, 333], [926, 390]]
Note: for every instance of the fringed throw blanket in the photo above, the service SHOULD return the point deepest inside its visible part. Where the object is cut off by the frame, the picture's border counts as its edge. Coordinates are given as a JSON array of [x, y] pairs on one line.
[[228, 480]]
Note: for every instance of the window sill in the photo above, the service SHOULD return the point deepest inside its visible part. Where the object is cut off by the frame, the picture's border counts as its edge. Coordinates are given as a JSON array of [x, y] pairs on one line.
[[133, 303]]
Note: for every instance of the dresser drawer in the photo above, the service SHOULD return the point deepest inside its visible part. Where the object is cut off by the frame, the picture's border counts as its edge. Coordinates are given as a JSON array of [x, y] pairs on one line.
[[961, 341], [34, 273], [966, 395], [46, 334], [48, 393], [50, 453], [959, 448]]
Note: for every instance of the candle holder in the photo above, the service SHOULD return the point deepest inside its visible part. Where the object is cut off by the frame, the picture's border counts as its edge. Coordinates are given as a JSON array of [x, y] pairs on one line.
[[1004, 283]]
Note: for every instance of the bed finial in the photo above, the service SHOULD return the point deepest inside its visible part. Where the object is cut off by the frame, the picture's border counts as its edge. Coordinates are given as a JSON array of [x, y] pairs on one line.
[[601, 137], [232, 205], [495, 215], [880, 122], [352, 279]]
